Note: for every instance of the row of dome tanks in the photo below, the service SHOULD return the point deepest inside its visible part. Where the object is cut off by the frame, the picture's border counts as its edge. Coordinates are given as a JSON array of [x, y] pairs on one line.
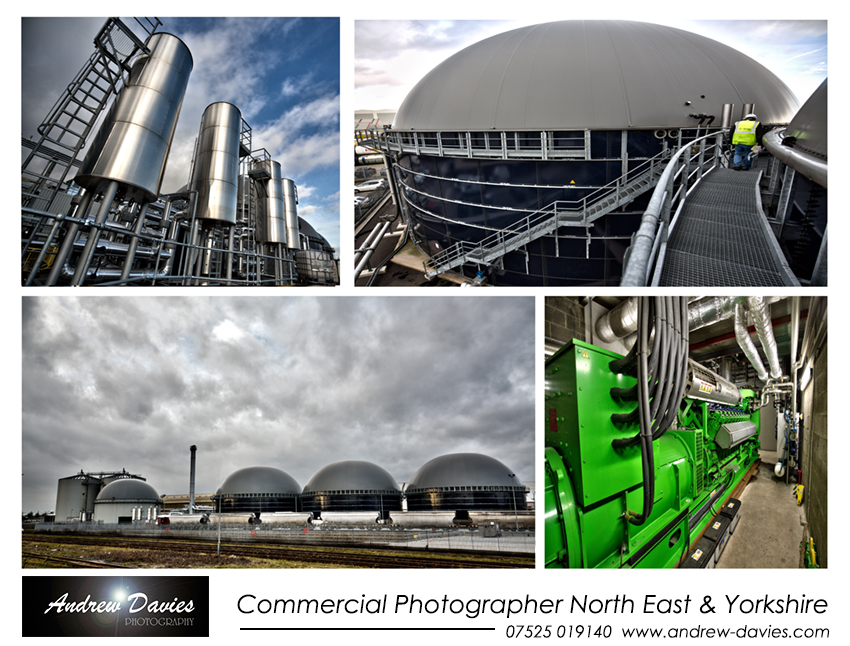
[[462, 489], [235, 222]]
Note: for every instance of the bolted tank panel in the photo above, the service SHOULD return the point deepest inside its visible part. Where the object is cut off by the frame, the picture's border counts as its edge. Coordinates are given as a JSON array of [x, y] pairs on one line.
[[216, 172], [132, 145], [290, 208], [271, 218]]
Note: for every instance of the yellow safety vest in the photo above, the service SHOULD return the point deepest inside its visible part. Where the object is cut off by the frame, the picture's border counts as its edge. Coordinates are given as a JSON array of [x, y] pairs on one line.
[[745, 133]]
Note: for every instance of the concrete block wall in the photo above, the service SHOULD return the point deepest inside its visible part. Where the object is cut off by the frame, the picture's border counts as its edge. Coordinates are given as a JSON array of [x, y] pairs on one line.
[[815, 453], [564, 319]]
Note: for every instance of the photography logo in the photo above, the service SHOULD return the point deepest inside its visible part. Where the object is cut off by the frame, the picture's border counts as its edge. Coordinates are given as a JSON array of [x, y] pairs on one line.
[[112, 606]]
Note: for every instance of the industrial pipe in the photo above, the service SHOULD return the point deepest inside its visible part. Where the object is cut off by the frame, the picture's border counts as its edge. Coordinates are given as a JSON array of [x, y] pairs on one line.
[[746, 344], [807, 165]]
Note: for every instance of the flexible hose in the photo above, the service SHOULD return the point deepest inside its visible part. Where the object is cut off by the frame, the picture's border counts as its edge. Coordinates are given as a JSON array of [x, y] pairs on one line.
[[661, 378]]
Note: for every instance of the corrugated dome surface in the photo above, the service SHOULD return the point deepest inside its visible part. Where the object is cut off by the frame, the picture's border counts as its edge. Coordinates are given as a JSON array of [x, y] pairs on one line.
[[258, 480], [462, 469], [601, 75], [128, 489], [351, 475]]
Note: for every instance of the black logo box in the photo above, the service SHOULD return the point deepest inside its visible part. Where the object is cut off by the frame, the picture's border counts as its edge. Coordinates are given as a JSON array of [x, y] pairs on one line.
[[115, 606]]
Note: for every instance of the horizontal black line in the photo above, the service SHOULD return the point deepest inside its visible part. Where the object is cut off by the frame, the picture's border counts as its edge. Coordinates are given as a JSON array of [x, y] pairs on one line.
[[387, 628]]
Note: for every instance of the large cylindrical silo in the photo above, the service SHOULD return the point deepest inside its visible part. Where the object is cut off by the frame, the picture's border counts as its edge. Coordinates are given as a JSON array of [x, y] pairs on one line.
[[271, 218], [290, 207], [215, 175], [132, 145]]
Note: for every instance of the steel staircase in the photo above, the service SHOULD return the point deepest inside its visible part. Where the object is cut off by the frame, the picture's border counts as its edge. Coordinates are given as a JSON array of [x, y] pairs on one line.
[[547, 220], [68, 124]]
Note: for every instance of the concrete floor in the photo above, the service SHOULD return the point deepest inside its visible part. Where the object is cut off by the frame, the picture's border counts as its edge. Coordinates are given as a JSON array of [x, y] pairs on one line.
[[771, 527]]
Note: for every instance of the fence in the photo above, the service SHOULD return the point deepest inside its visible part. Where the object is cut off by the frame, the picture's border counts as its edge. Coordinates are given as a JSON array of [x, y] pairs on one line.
[[442, 538]]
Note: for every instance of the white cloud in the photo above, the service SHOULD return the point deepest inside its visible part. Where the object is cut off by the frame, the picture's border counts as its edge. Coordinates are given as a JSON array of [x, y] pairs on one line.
[[228, 332]]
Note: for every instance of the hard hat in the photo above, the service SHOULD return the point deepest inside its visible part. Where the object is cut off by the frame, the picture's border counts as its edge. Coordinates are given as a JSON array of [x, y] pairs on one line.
[[751, 115]]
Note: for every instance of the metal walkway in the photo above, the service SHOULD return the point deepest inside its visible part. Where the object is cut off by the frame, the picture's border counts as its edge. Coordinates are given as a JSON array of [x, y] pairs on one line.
[[722, 237]]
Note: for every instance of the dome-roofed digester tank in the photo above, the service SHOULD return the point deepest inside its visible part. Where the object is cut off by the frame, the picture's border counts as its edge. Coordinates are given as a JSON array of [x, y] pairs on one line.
[[547, 118], [127, 500], [469, 481], [132, 145], [257, 490], [351, 485], [215, 174]]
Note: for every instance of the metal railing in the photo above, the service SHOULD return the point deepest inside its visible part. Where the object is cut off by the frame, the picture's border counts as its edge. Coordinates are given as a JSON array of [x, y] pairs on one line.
[[645, 256]]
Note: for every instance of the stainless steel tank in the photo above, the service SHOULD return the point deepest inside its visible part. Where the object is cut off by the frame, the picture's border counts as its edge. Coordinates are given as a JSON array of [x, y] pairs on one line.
[[215, 175], [271, 218], [290, 202], [132, 145]]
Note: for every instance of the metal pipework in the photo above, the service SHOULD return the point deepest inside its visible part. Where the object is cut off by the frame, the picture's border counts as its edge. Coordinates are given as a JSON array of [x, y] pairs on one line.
[[215, 173], [619, 322], [760, 311], [132, 145], [746, 344], [807, 165]]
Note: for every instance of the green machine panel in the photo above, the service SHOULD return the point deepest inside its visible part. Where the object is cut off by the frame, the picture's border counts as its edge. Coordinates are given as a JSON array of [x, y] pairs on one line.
[[579, 408]]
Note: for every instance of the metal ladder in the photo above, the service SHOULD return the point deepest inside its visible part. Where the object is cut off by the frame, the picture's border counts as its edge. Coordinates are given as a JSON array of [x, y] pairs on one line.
[[544, 222], [64, 131]]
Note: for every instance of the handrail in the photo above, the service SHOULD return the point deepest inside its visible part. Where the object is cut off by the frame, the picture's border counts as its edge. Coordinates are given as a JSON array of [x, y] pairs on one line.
[[644, 247], [808, 165]]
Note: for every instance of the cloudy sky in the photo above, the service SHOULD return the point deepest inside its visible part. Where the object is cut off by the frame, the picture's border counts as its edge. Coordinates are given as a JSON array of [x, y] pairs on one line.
[[296, 383], [283, 74], [391, 56]]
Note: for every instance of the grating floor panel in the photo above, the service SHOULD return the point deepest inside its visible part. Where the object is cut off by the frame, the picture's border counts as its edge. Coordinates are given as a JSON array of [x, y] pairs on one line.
[[719, 240]]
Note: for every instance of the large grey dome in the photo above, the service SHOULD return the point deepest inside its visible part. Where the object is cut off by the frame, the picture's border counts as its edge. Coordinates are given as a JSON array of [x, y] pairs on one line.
[[351, 485], [128, 490], [606, 74], [462, 469], [468, 481], [351, 474], [258, 490], [258, 480]]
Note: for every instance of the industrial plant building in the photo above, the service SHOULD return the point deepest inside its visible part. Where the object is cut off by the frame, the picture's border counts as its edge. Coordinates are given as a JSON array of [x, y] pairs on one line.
[[540, 157], [455, 489], [91, 208], [686, 432]]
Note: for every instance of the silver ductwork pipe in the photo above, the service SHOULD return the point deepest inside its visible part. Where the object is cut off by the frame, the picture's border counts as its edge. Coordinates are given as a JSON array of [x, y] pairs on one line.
[[712, 309], [808, 165], [746, 344], [619, 321], [760, 311]]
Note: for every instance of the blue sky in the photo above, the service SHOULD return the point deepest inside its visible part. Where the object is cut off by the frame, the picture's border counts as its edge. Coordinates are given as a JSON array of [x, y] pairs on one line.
[[282, 73], [392, 55]]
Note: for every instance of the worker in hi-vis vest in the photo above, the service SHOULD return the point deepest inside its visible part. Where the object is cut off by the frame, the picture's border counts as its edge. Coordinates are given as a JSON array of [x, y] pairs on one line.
[[746, 134]]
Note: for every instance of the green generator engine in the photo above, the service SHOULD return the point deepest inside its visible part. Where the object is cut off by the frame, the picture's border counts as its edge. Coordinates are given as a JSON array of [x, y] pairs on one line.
[[600, 465]]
